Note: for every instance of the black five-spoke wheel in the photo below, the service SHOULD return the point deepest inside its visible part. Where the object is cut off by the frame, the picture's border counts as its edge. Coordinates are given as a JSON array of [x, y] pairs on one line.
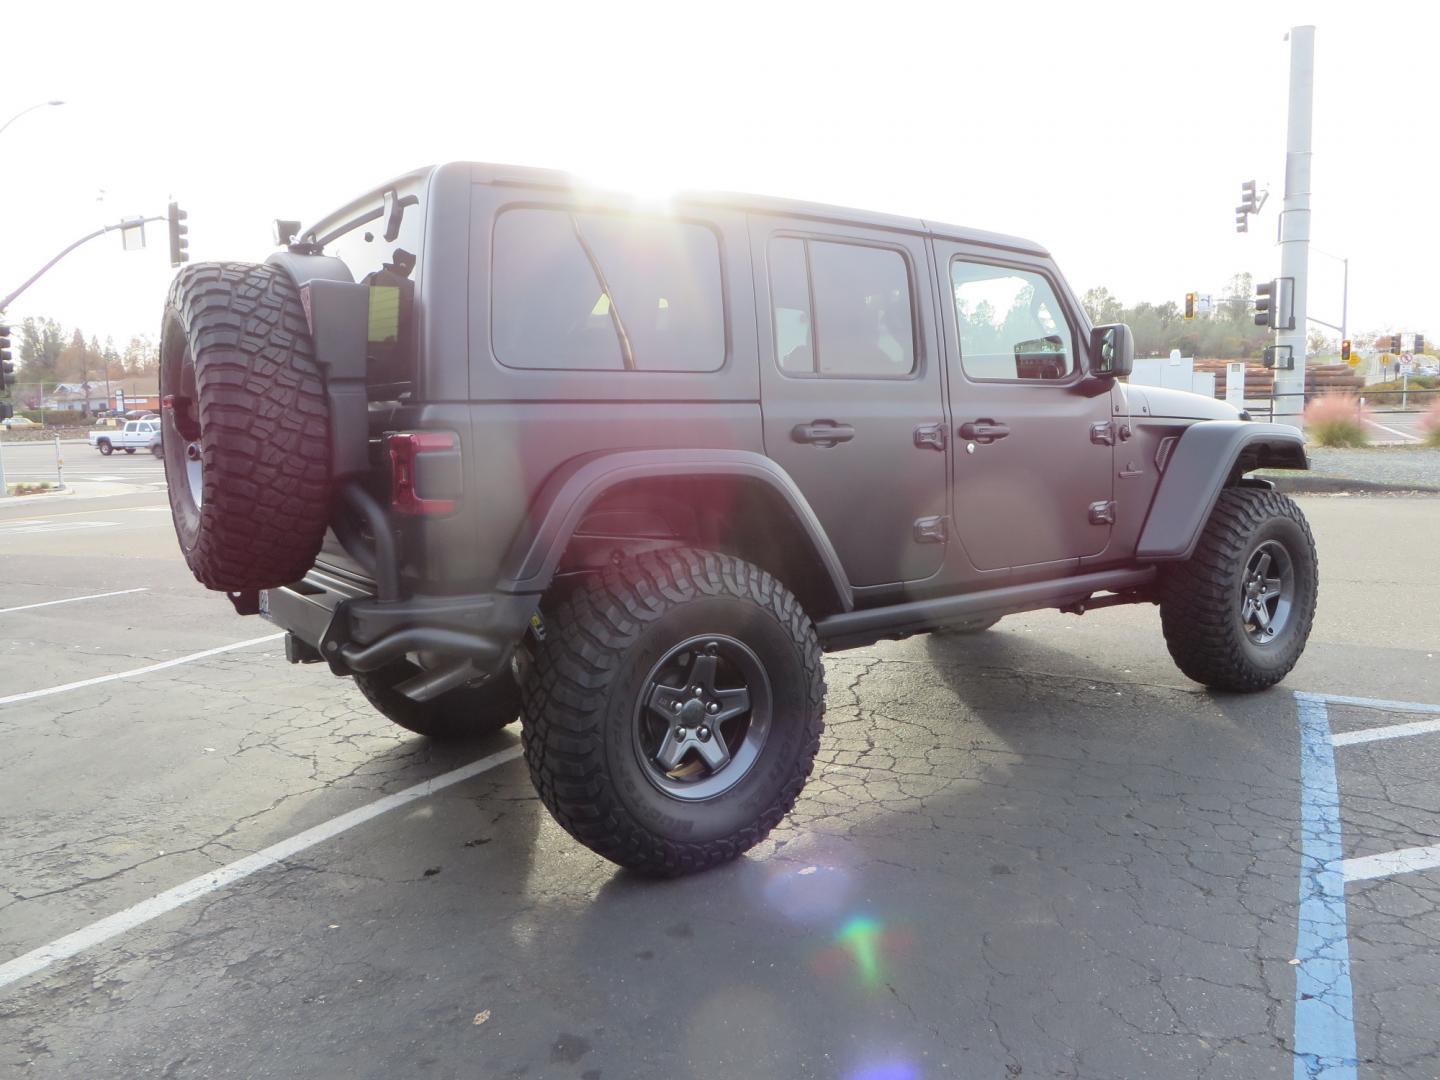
[[703, 717], [1268, 591]]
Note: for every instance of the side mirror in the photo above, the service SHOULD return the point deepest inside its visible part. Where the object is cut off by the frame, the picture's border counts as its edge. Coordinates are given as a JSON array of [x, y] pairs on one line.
[[1112, 351]]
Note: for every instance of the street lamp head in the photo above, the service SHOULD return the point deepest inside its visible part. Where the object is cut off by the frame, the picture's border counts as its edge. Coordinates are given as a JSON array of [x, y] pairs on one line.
[[55, 103]]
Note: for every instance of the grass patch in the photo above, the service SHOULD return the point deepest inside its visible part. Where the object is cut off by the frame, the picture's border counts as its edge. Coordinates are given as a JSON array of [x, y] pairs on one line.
[[30, 487]]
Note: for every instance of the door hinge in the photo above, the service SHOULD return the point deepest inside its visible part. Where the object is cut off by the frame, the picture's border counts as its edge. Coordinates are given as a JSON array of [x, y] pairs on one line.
[[932, 530], [1103, 433], [930, 436], [1103, 512]]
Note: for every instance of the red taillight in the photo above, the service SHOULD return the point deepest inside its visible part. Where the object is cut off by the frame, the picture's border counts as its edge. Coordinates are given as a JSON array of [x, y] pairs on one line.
[[406, 448]]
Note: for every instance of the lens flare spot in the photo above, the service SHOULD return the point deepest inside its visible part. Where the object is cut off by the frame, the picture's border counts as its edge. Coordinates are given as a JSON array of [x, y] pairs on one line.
[[894, 1070], [860, 937], [810, 894]]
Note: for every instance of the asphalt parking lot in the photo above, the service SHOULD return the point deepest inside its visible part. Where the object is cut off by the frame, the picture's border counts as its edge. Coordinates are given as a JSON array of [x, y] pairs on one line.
[[1038, 852]]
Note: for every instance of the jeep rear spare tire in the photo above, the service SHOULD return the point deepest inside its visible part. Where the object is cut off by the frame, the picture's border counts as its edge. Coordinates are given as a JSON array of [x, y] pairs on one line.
[[245, 426]]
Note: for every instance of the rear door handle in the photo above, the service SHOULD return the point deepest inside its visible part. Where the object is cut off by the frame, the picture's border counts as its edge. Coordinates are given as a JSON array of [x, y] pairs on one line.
[[822, 433], [983, 431]]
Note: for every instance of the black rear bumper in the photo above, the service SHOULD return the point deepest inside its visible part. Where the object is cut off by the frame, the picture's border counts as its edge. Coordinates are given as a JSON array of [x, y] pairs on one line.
[[353, 631]]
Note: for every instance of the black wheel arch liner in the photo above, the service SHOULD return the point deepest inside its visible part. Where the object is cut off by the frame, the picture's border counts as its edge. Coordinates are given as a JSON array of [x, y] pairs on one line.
[[1211, 455], [572, 489]]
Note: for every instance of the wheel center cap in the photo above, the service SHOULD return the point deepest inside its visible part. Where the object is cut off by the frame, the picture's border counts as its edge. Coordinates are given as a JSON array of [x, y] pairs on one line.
[[692, 713]]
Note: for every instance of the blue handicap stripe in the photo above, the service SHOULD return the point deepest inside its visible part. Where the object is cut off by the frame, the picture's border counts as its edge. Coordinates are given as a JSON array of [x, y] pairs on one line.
[[1324, 1005]]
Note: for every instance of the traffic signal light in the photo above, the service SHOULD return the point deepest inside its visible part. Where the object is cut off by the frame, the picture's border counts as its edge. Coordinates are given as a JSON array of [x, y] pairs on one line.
[[1189, 305], [1419, 343], [179, 235], [1247, 197], [1275, 303], [1242, 222], [1264, 299], [1345, 350], [6, 367]]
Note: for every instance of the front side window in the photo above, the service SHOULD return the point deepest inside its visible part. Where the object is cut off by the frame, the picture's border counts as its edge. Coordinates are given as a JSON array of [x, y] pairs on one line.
[[606, 292], [1010, 323], [841, 310]]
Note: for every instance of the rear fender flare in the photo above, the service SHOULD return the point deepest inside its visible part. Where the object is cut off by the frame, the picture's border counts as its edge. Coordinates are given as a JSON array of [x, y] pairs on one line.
[[572, 489], [1211, 455]]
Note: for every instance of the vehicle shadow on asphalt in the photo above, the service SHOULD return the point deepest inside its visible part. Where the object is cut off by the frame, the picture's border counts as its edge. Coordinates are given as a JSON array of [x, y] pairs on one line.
[[993, 872]]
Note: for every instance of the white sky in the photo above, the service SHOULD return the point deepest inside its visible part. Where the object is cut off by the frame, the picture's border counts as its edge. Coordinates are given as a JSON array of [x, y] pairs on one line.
[[1116, 135]]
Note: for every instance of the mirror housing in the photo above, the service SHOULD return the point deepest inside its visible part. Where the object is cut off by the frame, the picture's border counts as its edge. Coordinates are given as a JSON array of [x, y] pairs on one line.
[[1112, 351]]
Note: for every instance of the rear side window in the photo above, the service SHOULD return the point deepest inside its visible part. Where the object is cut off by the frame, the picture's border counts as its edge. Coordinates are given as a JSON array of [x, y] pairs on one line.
[[1010, 323], [605, 292], [841, 310]]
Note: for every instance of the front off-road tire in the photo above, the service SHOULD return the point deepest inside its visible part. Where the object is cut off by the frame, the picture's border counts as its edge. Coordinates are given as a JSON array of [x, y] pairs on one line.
[[1237, 614], [659, 645], [464, 713], [244, 426]]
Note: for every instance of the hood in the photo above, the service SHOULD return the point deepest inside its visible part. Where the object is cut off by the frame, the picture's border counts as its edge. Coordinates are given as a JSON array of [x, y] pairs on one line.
[[1179, 404]]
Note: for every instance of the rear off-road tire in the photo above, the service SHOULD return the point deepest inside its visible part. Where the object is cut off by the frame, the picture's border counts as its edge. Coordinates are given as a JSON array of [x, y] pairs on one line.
[[1237, 613], [104, 447], [674, 638], [245, 426], [463, 713]]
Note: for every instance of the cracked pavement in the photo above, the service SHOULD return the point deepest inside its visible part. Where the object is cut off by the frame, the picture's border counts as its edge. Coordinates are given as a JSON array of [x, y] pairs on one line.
[[1036, 852]]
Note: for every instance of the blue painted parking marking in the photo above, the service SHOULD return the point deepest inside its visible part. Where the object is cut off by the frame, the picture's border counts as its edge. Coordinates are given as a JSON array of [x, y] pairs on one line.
[[1324, 1004]]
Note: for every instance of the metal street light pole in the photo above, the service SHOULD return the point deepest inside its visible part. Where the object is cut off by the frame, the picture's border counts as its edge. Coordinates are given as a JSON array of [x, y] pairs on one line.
[[1295, 223], [22, 112]]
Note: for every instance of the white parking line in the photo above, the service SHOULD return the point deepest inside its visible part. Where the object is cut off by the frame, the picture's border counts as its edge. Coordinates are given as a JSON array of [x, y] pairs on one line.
[[1404, 861], [1402, 434], [1393, 731], [1370, 703], [67, 600], [170, 899], [31, 695]]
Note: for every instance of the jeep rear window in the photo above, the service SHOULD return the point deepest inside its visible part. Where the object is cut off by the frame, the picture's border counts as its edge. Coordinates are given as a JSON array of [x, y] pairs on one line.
[[605, 292], [841, 310]]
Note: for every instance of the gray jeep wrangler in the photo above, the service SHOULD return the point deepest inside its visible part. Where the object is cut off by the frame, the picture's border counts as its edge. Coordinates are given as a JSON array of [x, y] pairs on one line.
[[495, 446]]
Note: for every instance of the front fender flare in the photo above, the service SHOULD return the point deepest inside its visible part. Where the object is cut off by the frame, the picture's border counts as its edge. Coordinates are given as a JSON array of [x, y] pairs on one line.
[[573, 488], [1211, 454]]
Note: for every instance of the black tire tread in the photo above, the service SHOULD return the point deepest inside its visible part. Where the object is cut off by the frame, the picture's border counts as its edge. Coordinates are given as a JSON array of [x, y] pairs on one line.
[[565, 691], [264, 423], [1198, 597]]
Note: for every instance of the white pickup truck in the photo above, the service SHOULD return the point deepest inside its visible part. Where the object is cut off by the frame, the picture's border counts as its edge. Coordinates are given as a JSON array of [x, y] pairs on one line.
[[134, 435]]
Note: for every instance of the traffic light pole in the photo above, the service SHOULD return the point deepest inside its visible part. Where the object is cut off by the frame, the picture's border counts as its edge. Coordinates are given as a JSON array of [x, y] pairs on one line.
[[1295, 224]]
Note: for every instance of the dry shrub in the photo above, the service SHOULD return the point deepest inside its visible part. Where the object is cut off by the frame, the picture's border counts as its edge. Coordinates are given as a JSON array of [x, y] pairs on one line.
[[1337, 420], [1430, 425]]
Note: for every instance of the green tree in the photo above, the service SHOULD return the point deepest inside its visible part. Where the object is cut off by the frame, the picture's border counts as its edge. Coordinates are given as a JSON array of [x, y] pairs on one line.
[[41, 343], [1102, 307]]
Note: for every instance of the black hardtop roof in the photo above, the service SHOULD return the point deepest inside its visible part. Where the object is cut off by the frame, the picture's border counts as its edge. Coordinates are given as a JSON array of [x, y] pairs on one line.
[[767, 204], [526, 176]]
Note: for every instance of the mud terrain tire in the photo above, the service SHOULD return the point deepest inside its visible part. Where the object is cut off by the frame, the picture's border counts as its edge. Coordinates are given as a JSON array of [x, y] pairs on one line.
[[1218, 633], [245, 426], [603, 671]]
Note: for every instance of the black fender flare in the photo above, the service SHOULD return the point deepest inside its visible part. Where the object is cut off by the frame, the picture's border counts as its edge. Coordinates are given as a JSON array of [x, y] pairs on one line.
[[572, 489], [1210, 455]]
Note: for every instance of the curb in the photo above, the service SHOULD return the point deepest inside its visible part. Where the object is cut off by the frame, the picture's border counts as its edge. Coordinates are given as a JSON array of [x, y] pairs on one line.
[[1335, 485]]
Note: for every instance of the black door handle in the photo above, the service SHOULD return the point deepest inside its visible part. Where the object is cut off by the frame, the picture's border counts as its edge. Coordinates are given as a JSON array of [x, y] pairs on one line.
[[983, 431], [822, 433]]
